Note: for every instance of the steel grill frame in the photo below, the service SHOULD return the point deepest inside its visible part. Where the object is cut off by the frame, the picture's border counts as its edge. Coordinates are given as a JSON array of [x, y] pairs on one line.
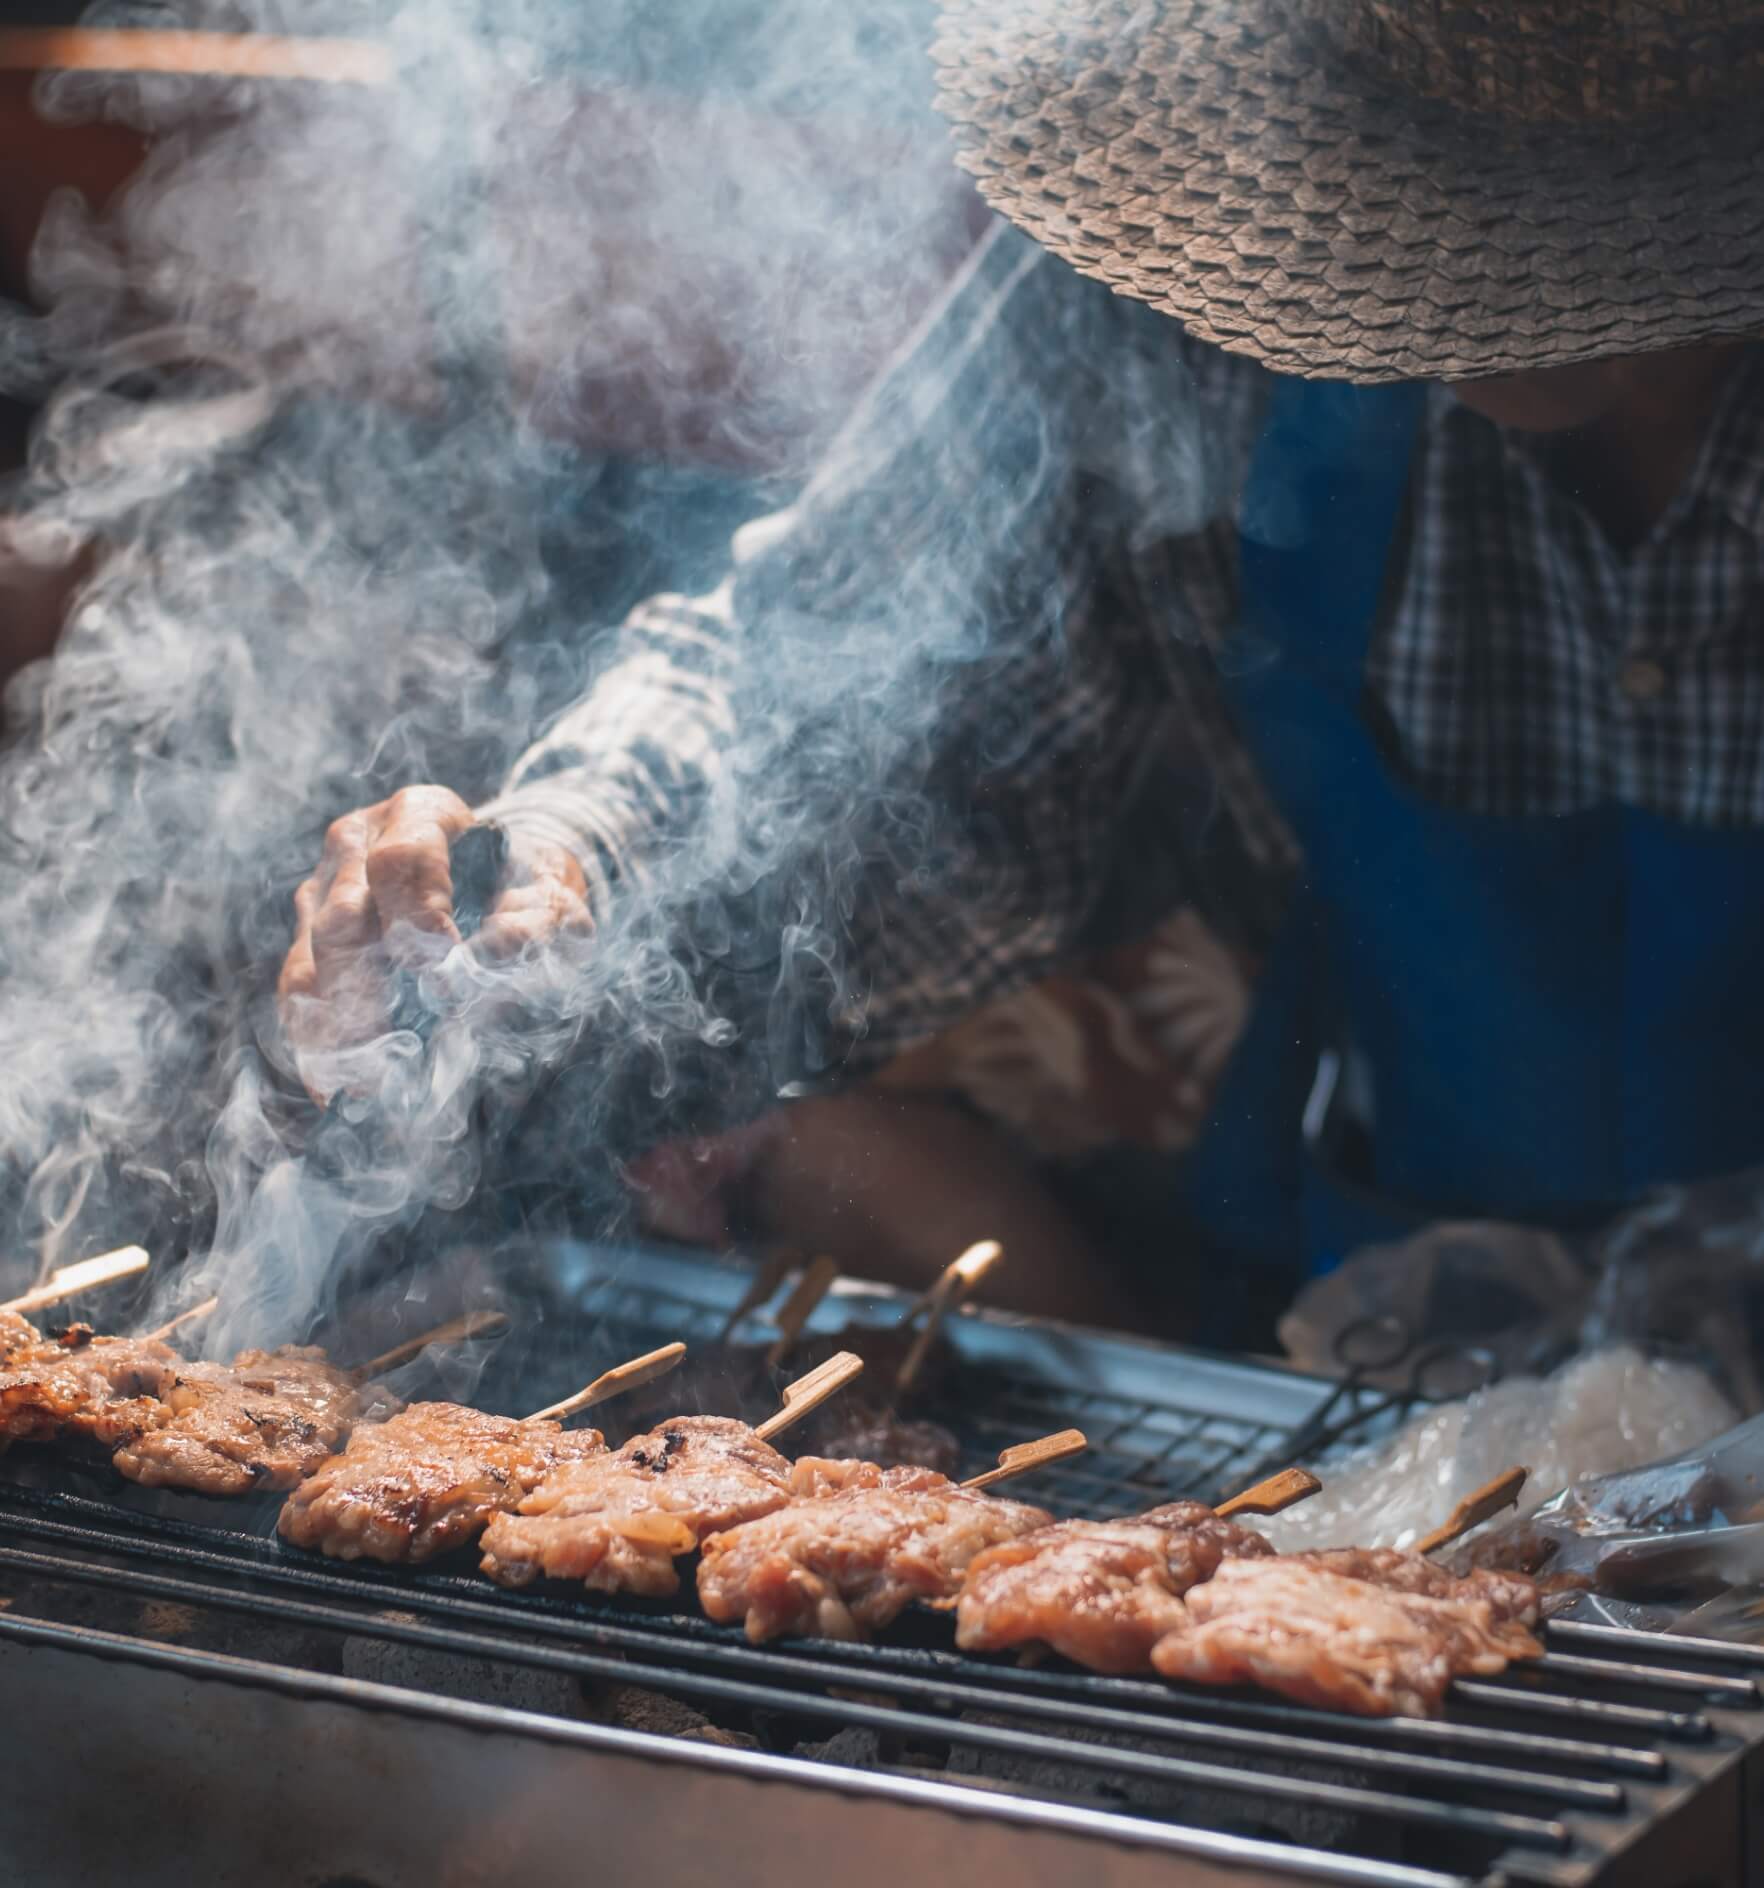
[[1624, 1760]]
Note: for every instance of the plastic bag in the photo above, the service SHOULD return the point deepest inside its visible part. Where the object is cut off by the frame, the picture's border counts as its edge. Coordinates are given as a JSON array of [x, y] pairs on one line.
[[1683, 1270], [1612, 1409]]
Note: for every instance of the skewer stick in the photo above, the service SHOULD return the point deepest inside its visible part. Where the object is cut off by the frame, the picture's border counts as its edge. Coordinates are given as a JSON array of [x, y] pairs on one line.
[[952, 1285], [88, 1274], [767, 1277], [203, 1310], [455, 1331], [614, 1382], [1026, 1457], [221, 55], [811, 1392], [1474, 1509], [1270, 1496], [799, 1307]]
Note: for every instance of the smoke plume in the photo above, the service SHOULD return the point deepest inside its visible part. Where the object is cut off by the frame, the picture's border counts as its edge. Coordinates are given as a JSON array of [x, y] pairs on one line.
[[315, 395]]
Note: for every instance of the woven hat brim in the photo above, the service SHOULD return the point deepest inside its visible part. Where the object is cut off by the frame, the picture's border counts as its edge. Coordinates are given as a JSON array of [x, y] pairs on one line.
[[1197, 155]]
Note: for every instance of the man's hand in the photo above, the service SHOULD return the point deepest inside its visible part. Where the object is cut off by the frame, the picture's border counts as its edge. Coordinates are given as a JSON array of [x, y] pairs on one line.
[[382, 898]]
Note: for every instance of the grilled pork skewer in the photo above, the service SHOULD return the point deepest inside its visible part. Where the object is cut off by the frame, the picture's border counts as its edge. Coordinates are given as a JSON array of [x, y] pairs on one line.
[[618, 1521], [429, 1479], [858, 1544], [75, 1382], [265, 1420], [1376, 1632], [1102, 1593], [268, 1419]]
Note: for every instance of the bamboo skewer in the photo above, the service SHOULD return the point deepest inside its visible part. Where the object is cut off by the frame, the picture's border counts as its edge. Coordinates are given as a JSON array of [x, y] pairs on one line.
[[811, 1391], [1271, 1496], [455, 1331], [207, 1307], [1474, 1509], [1026, 1457], [767, 1277], [87, 1275], [952, 1285], [799, 1307], [614, 1382]]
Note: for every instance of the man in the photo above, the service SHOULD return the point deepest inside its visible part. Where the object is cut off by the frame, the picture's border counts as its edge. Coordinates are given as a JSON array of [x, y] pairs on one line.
[[1449, 681]]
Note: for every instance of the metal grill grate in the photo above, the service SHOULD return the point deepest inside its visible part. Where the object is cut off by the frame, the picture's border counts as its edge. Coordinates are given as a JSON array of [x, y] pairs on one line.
[[1194, 1430]]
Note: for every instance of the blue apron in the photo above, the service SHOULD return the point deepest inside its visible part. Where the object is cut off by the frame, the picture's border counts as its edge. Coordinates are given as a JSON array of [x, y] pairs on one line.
[[1556, 1012]]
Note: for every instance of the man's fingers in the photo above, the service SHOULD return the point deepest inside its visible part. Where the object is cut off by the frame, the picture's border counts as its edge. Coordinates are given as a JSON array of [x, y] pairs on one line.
[[528, 915], [344, 924], [408, 872]]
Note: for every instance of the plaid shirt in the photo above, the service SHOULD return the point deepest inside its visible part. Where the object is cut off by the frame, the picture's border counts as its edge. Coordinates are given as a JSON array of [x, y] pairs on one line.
[[1065, 465]]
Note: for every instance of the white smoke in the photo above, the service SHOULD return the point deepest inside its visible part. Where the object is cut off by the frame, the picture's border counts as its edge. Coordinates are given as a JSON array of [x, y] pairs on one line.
[[316, 382]]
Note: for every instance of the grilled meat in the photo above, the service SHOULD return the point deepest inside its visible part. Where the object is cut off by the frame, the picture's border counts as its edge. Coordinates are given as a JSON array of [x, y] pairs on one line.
[[266, 1420], [1101, 1593], [857, 1545], [1346, 1644], [426, 1481], [105, 1388], [618, 1520], [1511, 1595]]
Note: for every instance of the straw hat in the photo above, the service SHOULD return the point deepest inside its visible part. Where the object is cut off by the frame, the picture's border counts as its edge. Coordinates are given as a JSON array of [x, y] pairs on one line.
[[1383, 189]]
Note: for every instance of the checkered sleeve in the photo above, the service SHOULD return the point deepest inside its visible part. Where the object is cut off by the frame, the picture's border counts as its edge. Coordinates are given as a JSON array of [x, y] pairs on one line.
[[900, 734]]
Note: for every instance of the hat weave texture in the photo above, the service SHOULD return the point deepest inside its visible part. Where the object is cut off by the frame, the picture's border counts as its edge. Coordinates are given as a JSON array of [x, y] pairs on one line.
[[1377, 190]]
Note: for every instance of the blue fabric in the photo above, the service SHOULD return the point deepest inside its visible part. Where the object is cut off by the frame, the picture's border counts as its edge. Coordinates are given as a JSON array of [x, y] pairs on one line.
[[1556, 1012]]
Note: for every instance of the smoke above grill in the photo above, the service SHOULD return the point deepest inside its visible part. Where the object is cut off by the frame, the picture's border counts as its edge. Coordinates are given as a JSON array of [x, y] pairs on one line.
[[314, 390]]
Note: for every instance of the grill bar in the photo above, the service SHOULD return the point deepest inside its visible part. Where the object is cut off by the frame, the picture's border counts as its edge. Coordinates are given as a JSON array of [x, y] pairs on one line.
[[1741, 1692], [1628, 1639], [1495, 1825], [1682, 1726]]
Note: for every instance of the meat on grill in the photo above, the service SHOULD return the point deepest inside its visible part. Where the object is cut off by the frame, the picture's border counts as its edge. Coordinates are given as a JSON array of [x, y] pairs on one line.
[[426, 1481], [104, 1388], [1101, 1593], [617, 1521], [857, 1545], [1512, 1595], [266, 1420], [1348, 1644]]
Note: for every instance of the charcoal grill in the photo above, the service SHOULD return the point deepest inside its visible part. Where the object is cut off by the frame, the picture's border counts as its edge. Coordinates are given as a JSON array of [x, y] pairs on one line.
[[205, 1704]]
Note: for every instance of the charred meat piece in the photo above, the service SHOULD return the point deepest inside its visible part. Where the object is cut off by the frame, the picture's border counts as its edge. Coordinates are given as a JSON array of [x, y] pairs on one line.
[[858, 1545], [1323, 1638], [618, 1521], [266, 1420], [426, 1481], [104, 1388], [1101, 1593]]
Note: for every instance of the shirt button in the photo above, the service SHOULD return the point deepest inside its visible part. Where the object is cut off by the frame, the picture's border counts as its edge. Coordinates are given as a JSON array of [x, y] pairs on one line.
[[1642, 680]]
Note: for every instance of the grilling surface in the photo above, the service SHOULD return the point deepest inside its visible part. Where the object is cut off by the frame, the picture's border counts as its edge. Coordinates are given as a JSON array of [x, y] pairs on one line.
[[1565, 1774]]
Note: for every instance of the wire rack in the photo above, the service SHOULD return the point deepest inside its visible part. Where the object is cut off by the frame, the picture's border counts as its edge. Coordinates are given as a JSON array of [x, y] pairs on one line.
[[1163, 1424]]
